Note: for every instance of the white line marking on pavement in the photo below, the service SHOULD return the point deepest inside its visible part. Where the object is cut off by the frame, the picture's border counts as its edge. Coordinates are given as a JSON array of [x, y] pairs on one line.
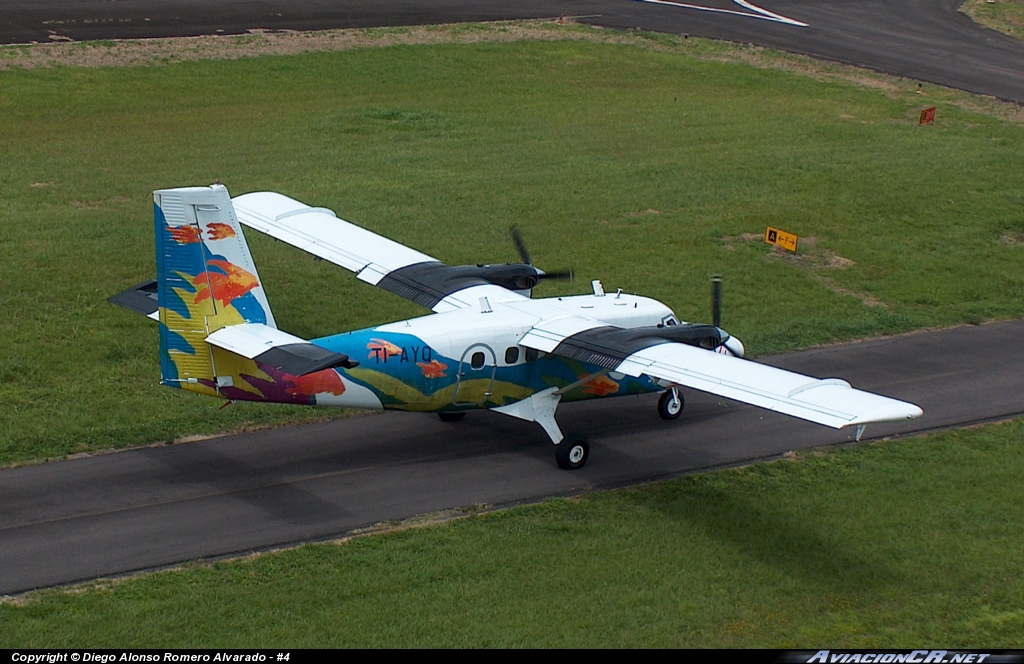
[[760, 13]]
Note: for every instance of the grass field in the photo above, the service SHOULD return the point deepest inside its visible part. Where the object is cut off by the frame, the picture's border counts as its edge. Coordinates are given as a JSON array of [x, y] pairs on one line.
[[888, 545], [649, 165], [1003, 15]]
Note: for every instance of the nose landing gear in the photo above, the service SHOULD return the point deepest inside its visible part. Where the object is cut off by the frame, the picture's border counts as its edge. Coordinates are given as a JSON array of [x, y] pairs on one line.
[[670, 405]]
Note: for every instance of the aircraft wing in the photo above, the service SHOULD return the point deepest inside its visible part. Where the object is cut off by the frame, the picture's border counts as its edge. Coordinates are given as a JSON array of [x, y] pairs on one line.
[[321, 233], [375, 259], [832, 402]]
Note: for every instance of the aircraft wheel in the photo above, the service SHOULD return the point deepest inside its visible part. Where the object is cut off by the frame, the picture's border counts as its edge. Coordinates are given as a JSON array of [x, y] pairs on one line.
[[452, 417], [670, 405], [572, 454]]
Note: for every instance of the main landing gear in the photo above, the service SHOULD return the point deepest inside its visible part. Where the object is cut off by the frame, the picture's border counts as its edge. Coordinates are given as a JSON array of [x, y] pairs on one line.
[[572, 453]]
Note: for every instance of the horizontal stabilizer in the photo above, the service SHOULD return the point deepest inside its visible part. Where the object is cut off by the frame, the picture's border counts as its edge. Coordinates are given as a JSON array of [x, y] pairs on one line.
[[270, 346], [140, 298]]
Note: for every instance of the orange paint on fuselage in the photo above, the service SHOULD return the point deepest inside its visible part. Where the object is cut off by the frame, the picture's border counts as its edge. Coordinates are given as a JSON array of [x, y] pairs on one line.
[[378, 348], [433, 369], [320, 382], [600, 386]]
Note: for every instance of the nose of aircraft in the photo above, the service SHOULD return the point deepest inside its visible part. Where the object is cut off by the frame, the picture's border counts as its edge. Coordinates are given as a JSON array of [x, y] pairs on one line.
[[733, 345]]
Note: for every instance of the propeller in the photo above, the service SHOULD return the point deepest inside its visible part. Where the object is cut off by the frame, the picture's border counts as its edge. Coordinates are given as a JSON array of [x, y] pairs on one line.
[[524, 255], [716, 301], [517, 239]]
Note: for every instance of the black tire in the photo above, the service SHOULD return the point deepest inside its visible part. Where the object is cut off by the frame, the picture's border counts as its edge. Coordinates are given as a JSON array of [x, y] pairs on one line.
[[452, 417], [670, 405], [572, 453]]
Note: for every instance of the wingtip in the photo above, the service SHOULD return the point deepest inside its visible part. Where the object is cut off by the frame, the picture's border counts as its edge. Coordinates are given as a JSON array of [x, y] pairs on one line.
[[896, 411]]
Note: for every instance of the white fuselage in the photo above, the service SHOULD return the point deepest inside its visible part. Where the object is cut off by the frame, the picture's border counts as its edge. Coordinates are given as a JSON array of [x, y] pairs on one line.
[[502, 324]]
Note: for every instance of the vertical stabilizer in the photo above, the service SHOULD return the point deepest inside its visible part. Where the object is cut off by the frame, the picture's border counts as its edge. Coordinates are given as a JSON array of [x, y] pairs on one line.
[[206, 280]]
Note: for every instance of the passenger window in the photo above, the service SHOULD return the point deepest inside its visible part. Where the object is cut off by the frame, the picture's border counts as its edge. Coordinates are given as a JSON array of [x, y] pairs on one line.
[[531, 354], [477, 361], [512, 355]]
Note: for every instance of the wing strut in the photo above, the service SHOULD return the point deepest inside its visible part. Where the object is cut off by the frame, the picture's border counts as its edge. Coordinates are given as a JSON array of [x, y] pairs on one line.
[[539, 408]]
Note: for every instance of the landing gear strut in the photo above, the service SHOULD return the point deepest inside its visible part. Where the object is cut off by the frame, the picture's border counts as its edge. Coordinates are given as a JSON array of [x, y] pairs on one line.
[[572, 453], [670, 405]]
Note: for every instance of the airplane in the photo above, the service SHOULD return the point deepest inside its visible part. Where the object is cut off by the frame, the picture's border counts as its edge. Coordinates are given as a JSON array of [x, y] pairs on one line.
[[486, 343]]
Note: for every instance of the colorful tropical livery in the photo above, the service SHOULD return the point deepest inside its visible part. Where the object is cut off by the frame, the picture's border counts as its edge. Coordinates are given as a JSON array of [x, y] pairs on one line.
[[486, 345]]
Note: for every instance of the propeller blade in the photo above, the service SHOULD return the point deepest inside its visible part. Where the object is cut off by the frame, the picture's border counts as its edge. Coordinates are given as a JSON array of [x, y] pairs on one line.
[[557, 274], [524, 255], [517, 239], [716, 301]]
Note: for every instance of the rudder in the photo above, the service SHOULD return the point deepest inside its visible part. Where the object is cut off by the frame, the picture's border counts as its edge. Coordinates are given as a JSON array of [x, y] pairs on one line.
[[206, 280]]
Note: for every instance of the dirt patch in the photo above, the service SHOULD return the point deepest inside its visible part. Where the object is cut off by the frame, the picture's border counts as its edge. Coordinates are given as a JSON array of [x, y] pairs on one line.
[[865, 298], [150, 52], [805, 255], [812, 260], [837, 262], [642, 213], [851, 118], [731, 241], [1013, 238], [808, 257]]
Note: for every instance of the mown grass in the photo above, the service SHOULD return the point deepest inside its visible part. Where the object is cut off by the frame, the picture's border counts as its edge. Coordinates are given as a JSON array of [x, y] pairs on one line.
[[640, 166], [888, 545], [1003, 15]]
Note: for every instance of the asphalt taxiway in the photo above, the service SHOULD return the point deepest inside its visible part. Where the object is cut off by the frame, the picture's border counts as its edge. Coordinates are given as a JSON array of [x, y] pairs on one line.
[[111, 514], [925, 40]]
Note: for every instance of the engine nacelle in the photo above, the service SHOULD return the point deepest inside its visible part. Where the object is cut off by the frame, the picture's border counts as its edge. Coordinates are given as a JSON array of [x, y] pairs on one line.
[[430, 282]]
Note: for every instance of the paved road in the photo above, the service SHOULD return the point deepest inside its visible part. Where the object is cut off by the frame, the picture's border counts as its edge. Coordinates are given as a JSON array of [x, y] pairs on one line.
[[925, 40], [147, 508]]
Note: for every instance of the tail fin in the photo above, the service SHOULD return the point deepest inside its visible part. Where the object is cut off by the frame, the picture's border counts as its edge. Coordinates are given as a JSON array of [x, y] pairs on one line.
[[206, 280]]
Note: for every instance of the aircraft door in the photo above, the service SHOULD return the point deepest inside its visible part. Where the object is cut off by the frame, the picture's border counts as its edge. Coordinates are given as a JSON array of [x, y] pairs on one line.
[[474, 383]]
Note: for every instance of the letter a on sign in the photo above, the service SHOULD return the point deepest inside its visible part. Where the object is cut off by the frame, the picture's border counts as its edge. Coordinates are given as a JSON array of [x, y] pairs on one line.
[[780, 238], [927, 116]]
